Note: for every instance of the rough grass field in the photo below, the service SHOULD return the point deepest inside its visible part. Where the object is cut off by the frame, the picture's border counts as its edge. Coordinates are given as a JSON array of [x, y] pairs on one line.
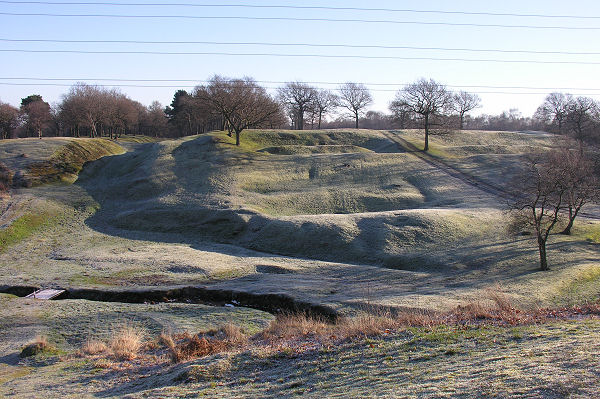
[[350, 219]]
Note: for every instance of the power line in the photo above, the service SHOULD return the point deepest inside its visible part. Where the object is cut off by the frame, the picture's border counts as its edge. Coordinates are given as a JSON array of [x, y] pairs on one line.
[[317, 45], [329, 8], [198, 81], [300, 19], [269, 88], [346, 56]]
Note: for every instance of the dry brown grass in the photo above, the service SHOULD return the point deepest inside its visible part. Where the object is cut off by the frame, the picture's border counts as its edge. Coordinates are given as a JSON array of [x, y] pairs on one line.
[[93, 347], [194, 346], [293, 325], [233, 334], [6, 178], [292, 334], [126, 342]]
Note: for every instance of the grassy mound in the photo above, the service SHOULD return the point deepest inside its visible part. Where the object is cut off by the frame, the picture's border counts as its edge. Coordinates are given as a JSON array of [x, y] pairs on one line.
[[371, 207], [66, 162], [288, 140], [316, 149]]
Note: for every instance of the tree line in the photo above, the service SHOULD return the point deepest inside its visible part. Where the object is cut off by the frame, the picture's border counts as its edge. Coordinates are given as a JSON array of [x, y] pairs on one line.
[[237, 104]]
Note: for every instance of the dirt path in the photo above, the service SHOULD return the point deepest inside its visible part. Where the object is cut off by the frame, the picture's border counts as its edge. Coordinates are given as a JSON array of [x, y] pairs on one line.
[[447, 168], [460, 175]]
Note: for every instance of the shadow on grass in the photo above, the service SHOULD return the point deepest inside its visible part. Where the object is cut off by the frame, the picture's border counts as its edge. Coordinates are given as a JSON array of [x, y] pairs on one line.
[[131, 195]]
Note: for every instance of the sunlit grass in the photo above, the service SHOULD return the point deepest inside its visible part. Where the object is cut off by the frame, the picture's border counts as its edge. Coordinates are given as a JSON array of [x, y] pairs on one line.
[[20, 229]]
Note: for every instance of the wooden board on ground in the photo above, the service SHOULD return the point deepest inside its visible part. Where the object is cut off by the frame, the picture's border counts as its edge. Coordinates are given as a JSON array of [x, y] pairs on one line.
[[45, 294]]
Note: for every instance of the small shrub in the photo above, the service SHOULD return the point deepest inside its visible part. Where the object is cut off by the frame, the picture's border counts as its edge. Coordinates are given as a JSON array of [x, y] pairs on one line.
[[39, 345]]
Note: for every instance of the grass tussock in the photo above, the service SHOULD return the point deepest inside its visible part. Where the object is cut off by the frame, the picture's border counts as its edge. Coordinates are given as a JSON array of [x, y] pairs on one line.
[[183, 347], [196, 346], [94, 347], [37, 346], [126, 342]]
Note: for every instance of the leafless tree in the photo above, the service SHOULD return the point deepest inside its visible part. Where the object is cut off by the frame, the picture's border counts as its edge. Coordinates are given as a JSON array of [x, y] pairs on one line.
[[464, 102], [36, 114], [99, 111], [323, 103], [84, 106], [401, 113], [9, 118], [355, 97], [154, 120], [426, 99], [122, 114], [242, 102], [580, 180], [554, 109], [297, 98], [583, 117], [540, 196]]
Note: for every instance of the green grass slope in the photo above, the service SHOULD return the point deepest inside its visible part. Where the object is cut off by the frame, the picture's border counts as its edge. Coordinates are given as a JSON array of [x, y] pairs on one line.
[[34, 162]]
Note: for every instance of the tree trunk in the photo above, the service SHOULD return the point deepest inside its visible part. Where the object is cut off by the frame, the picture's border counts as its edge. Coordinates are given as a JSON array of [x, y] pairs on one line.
[[572, 216], [426, 148], [300, 120], [356, 116], [542, 249], [320, 116], [462, 120], [237, 138]]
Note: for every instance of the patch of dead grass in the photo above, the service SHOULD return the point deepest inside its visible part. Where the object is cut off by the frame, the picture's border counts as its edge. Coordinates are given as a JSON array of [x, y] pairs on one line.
[[126, 342], [93, 347], [292, 334]]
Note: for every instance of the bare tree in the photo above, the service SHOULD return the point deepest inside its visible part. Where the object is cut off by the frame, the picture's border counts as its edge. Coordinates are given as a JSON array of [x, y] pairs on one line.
[[540, 196], [36, 113], [242, 102], [122, 114], [554, 109], [464, 102], [85, 106], [323, 103], [580, 181], [582, 117], [297, 97], [401, 113], [9, 117], [427, 99], [155, 120], [355, 97]]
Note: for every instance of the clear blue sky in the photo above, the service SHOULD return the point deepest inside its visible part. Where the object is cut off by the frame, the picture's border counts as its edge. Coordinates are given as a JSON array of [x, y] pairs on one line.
[[459, 74]]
